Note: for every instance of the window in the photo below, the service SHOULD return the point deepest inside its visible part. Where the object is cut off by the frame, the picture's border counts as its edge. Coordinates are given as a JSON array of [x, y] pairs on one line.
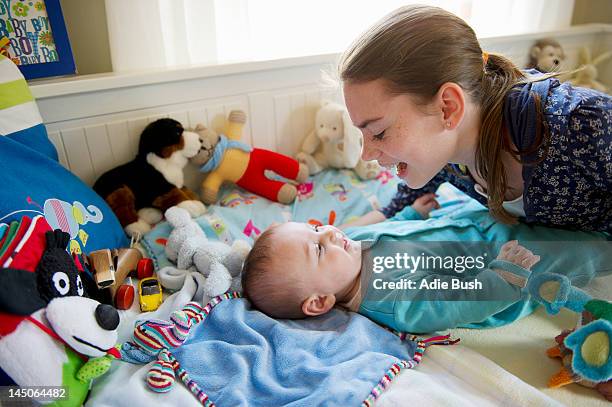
[[162, 33]]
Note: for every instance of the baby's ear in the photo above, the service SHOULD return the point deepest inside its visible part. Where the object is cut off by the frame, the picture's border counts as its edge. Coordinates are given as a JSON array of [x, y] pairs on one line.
[[318, 304]]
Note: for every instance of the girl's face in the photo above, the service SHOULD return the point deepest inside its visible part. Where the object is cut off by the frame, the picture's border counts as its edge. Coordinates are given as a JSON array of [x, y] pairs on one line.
[[398, 132]]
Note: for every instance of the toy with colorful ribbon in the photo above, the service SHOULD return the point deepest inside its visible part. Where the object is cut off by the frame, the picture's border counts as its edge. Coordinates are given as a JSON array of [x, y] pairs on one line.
[[154, 340], [585, 351]]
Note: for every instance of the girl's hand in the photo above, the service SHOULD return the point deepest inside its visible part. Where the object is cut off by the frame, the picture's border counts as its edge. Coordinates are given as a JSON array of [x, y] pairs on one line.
[[425, 204], [367, 219], [517, 254]]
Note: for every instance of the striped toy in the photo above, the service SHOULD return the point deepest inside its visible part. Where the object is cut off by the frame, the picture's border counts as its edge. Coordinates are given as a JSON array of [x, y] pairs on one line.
[[18, 110], [156, 338]]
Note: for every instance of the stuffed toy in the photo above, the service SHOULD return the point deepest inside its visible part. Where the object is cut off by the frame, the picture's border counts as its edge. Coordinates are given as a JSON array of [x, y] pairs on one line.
[[50, 329], [154, 179], [187, 245], [183, 228], [335, 143], [586, 76], [586, 351], [225, 159], [110, 270], [546, 55], [155, 339]]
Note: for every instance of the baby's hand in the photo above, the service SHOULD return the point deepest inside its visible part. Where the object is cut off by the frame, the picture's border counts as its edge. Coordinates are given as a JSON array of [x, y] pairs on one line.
[[425, 204], [517, 254]]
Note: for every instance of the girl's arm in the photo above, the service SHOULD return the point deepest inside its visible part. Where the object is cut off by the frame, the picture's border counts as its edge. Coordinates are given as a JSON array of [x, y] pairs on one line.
[[406, 196], [419, 210], [367, 219]]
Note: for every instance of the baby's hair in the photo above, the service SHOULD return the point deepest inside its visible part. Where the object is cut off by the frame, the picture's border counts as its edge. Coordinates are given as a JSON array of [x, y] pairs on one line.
[[415, 50], [272, 292]]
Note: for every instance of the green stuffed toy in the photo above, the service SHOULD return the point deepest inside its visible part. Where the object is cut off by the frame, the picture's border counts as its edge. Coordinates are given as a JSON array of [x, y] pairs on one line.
[[585, 351]]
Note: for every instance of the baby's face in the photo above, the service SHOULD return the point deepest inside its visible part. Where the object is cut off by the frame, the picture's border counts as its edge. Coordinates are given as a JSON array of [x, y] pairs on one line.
[[322, 258]]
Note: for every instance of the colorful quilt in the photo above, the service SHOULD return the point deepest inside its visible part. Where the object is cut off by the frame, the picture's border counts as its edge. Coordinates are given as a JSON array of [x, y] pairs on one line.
[[330, 197]]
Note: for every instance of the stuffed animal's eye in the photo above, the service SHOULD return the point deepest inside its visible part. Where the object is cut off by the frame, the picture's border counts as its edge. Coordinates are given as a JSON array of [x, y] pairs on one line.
[[334, 129], [61, 282], [321, 126], [79, 285]]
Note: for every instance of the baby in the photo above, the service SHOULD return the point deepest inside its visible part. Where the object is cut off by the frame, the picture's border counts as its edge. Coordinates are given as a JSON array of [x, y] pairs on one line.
[[297, 270]]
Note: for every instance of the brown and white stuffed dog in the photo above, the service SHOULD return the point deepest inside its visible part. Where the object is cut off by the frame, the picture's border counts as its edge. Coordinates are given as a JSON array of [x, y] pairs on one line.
[[142, 189]]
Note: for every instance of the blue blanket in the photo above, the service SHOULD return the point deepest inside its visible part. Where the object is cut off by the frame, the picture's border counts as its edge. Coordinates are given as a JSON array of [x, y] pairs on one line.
[[240, 356]]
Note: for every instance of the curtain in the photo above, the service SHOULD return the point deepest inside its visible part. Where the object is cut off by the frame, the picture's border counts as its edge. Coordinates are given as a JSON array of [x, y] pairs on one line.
[[148, 34]]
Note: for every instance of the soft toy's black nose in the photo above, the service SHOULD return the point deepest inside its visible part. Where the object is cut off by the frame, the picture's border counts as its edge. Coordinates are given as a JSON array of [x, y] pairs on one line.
[[556, 62], [107, 317]]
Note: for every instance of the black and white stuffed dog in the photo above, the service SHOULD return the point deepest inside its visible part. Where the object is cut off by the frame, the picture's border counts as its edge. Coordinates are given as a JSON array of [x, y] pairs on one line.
[[142, 189], [48, 325]]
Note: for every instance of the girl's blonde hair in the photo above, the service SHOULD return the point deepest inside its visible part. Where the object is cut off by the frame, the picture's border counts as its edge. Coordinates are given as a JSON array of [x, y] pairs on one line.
[[415, 50]]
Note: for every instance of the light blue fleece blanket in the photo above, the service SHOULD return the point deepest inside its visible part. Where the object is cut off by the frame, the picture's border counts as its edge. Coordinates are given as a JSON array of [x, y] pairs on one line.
[[239, 356]]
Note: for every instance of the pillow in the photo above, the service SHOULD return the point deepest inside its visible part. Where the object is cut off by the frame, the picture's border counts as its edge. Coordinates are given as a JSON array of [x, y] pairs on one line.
[[19, 116], [34, 183]]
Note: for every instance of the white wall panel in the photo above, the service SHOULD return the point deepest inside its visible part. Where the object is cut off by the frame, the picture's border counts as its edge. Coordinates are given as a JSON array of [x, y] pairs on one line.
[[94, 130]]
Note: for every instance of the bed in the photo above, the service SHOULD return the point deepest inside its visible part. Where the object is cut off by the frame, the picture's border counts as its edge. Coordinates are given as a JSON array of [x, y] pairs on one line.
[[503, 366], [94, 124]]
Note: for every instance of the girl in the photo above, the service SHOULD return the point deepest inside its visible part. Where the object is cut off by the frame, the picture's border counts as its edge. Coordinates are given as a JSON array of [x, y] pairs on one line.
[[430, 102]]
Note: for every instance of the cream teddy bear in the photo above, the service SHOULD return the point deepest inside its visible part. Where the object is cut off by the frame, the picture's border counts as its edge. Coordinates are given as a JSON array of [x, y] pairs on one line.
[[335, 143], [586, 77]]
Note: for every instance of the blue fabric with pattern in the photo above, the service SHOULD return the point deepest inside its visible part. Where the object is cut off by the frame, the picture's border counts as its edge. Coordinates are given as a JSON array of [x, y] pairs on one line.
[[36, 138], [36, 184]]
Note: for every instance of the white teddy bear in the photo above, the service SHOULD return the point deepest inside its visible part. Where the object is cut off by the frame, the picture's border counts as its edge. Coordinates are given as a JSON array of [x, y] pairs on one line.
[[335, 143], [189, 248]]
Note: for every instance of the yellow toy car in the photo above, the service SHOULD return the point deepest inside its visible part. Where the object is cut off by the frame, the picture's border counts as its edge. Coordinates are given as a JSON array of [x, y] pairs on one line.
[[150, 293]]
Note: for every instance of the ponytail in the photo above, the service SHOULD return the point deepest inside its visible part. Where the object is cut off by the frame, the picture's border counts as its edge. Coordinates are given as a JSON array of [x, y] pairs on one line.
[[499, 77]]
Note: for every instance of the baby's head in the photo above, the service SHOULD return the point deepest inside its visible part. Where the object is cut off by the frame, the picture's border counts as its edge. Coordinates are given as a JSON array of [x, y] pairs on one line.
[[296, 269]]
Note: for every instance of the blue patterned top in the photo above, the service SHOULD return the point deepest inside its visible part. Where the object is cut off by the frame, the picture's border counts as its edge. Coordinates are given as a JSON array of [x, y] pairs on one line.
[[572, 186]]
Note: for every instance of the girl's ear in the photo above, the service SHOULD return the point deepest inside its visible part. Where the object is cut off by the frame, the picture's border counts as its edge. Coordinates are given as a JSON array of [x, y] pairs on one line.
[[451, 100]]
